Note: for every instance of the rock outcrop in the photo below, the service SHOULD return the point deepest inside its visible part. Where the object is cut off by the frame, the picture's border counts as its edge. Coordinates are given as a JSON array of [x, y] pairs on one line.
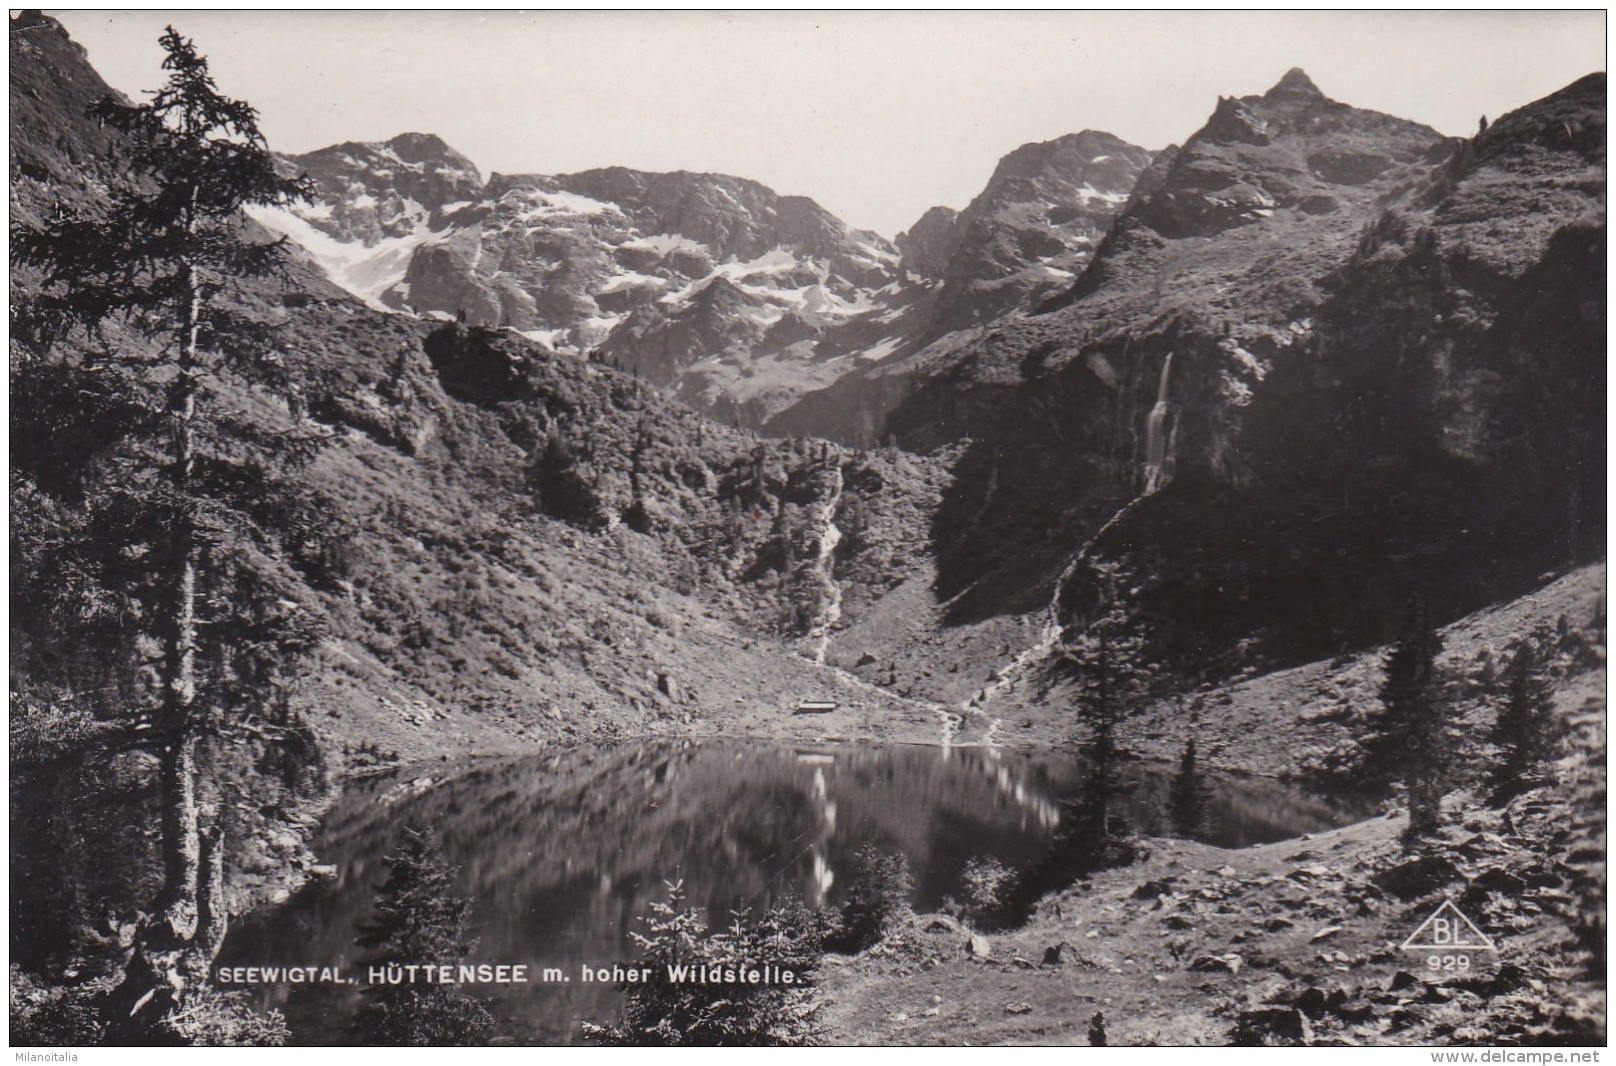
[[1359, 315]]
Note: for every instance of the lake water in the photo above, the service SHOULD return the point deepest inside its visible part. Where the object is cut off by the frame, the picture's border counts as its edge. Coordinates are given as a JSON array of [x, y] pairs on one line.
[[563, 853]]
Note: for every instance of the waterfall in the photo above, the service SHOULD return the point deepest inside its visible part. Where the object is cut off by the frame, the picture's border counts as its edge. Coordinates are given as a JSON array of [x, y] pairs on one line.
[[1161, 430], [1161, 433], [825, 566], [831, 612]]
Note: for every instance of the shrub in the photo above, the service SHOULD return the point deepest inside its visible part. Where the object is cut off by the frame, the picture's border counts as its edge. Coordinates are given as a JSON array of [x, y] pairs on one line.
[[987, 888], [877, 895], [207, 1017], [45, 1015], [677, 1008]]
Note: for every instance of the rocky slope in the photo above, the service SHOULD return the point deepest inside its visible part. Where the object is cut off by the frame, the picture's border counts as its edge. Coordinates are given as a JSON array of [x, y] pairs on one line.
[[1299, 942], [1289, 944]]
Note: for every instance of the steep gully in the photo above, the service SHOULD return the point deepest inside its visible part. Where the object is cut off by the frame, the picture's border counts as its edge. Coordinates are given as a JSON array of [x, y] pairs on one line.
[[1161, 437]]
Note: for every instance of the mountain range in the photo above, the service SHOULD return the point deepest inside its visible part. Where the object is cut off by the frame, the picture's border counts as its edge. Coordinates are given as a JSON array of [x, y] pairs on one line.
[[627, 453], [1371, 354], [1368, 383], [731, 297]]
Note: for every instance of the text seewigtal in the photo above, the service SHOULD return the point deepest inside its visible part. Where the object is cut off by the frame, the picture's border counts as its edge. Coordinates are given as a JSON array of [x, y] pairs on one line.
[[395, 974]]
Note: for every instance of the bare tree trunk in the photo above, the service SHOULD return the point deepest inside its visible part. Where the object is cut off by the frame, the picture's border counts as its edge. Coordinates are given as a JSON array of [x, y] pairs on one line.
[[213, 912], [180, 821], [182, 846]]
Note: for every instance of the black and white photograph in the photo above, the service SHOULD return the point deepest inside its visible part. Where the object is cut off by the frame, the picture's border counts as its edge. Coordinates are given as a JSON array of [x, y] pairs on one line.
[[805, 528]]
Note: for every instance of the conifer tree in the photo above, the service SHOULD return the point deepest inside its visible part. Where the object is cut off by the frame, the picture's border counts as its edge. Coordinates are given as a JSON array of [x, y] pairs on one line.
[[1524, 731], [692, 1012], [418, 920], [1409, 742], [187, 504], [1108, 666]]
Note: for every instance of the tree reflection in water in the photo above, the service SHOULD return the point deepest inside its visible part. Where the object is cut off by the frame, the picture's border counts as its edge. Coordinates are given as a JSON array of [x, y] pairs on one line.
[[562, 853]]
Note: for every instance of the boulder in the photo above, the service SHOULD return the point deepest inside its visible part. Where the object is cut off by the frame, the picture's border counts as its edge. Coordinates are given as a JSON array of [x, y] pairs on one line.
[[1418, 876], [1509, 978], [1500, 881], [1403, 980], [1270, 1027], [1230, 964]]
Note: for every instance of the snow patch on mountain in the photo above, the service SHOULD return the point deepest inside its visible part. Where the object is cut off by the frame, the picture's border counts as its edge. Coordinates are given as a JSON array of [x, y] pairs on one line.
[[550, 338], [630, 280], [365, 272], [1089, 194], [664, 244], [540, 205], [774, 262], [881, 349]]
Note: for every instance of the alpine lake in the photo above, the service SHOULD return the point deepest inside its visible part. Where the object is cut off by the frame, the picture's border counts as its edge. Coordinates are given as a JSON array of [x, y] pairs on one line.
[[563, 854]]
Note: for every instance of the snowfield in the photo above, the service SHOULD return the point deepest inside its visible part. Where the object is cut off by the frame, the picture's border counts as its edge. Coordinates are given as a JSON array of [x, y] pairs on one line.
[[368, 273]]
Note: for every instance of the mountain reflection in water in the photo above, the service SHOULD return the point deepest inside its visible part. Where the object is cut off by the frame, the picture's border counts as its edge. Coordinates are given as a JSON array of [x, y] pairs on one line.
[[563, 853]]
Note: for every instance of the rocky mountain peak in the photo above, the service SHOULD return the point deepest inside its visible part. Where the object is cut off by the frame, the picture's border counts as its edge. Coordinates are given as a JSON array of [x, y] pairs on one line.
[[431, 150], [1035, 225], [1292, 151], [927, 245], [1295, 84], [1071, 169], [372, 192]]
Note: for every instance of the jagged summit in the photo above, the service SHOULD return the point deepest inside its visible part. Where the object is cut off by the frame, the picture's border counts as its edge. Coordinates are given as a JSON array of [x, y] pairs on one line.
[[426, 147], [1295, 83]]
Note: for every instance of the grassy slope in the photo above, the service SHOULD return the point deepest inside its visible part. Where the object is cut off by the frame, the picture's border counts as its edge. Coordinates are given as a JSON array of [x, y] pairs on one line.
[[468, 623]]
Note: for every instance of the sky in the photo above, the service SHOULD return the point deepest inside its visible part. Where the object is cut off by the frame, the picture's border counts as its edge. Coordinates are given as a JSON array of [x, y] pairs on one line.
[[876, 115]]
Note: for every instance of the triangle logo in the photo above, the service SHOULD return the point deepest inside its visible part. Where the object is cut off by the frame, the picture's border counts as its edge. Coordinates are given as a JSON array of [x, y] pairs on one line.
[[1449, 930]]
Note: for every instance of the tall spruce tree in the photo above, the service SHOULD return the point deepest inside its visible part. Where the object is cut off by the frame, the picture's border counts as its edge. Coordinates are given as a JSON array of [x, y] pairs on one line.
[[1109, 669], [1524, 731], [1409, 742], [188, 509]]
